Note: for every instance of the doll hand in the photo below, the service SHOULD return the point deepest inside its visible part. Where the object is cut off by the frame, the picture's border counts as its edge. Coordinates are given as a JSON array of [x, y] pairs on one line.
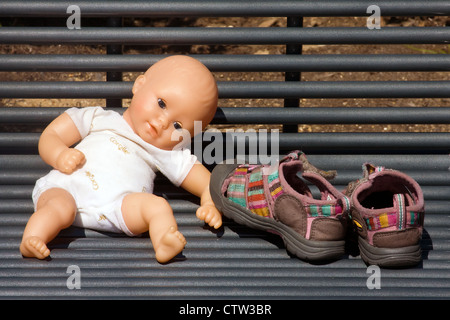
[[210, 215], [69, 160]]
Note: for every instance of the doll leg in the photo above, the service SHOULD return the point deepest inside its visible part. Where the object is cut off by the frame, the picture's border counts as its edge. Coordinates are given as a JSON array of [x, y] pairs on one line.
[[56, 210], [147, 212]]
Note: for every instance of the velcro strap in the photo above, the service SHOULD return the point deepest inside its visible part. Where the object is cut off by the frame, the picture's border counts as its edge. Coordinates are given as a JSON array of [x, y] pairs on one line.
[[400, 206]]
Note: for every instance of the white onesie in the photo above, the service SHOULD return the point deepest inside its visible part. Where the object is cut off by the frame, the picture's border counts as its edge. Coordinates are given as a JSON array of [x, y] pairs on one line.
[[118, 162]]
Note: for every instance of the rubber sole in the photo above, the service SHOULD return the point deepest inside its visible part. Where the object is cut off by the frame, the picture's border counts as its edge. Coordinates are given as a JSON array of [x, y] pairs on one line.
[[390, 257], [297, 245]]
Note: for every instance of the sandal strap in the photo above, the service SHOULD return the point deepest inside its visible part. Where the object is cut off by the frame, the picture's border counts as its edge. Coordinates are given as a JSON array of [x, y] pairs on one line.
[[247, 188], [295, 155]]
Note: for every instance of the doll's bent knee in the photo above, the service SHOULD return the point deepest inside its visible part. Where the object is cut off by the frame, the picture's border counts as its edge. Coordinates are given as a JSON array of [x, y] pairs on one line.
[[161, 204], [60, 204], [140, 209]]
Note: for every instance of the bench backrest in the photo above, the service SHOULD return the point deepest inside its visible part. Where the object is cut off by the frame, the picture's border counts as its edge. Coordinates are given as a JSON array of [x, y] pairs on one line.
[[423, 153], [114, 36], [284, 101]]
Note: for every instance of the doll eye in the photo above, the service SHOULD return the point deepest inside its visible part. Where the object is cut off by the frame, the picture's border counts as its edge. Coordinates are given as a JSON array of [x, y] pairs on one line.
[[177, 125], [161, 103]]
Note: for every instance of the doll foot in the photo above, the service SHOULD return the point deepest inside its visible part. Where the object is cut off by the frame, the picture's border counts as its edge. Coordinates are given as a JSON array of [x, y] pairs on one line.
[[34, 247], [171, 244]]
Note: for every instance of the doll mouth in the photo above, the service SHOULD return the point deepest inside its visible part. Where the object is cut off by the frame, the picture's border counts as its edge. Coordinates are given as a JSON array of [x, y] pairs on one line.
[[152, 130]]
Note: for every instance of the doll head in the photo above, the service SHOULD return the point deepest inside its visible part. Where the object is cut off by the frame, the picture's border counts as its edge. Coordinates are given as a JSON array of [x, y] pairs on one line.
[[171, 95]]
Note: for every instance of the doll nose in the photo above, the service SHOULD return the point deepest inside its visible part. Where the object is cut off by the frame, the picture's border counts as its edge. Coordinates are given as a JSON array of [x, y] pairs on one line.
[[163, 122]]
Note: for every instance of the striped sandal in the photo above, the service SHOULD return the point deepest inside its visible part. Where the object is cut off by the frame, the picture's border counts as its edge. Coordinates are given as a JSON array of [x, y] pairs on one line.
[[388, 214], [277, 200]]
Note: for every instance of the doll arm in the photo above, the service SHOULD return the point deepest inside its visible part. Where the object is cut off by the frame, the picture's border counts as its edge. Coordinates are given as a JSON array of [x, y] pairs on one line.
[[197, 183], [55, 142]]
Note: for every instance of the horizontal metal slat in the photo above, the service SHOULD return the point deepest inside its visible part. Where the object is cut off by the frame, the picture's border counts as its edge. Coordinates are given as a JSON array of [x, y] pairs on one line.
[[329, 89], [332, 115], [25, 115], [246, 63], [20, 177], [19, 206], [434, 192], [435, 218], [239, 90], [266, 115], [425, 178], [67, 89], [19, 140], [226, 292], [20, 191], [30, 162], [59, 272], [215, 36], [413, 162], [159, 8], [409, 162], [205, 282], [396, 142]]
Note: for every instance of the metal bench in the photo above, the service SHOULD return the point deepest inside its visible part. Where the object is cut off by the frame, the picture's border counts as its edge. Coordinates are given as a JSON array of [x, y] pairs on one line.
[[234, 262]]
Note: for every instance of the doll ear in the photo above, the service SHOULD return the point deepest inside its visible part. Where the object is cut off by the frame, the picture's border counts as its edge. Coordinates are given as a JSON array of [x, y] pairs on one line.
[[138, 83]]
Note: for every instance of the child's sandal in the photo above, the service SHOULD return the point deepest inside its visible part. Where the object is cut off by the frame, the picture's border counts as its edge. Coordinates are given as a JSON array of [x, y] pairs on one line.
[[388, 213], [276, 199]]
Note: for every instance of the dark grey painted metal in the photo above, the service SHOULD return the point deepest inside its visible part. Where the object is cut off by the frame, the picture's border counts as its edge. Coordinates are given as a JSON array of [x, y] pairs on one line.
[[332, 115], [144, 8], [317, 142], [212, 36], [291, 75], [433, 192], [246, 63], [232, 264], [266, 115], [116, 49], [67, 89], [396, 142], [331, 89], [15, 179], [240, 90], [409, 162], [23, 115]]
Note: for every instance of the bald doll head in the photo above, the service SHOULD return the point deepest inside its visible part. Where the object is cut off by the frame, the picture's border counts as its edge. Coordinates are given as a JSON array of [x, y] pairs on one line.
[[171, 95]]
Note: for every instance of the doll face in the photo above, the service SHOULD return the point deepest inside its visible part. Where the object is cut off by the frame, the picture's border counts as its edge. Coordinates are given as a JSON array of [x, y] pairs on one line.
[[170, 97]]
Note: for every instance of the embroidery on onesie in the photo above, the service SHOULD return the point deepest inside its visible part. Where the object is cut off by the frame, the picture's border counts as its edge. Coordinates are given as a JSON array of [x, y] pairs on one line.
[[118, 162]]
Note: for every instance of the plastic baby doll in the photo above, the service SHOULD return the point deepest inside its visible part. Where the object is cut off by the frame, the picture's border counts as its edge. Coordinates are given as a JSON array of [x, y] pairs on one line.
[[106, 181]]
